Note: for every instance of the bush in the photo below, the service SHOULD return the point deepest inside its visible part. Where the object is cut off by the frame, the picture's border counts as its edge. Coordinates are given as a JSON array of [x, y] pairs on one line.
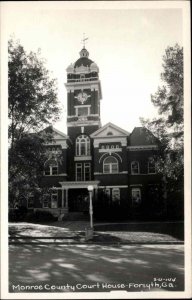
[[110, 213], [17, 214], [39, 216]]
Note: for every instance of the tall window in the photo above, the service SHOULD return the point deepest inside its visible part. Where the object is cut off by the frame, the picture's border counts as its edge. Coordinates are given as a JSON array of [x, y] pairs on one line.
[[79, 173], [151, 166], [110, 165], [136, 197], [134, 167], [46, 201], [51, 167], [54, 199], [82, 145], [116, 195], [83, 171], [30, 201], [87, 171]]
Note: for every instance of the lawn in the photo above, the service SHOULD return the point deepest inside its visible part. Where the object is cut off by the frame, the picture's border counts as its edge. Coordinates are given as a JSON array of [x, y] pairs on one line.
[[103, 233]]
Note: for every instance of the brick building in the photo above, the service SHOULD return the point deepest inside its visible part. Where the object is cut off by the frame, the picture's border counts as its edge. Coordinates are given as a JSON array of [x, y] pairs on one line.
[[119, 165]]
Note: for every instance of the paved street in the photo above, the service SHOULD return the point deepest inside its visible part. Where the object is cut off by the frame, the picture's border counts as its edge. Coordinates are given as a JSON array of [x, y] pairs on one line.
[[82, 268]]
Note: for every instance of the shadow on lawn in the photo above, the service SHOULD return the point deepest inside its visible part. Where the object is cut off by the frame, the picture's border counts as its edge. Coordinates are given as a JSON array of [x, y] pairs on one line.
[[174, 229], [59, 265]]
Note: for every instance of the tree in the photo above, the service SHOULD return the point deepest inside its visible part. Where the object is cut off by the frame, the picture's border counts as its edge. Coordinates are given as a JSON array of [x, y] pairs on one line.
[[169, 97], [32, 105], [168, 127], [32, 94]]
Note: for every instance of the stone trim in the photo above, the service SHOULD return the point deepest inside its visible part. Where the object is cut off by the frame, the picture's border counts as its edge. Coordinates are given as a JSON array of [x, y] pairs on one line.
[[79, 184], [72, 86], [91, 115], [62, 143], [112, 186], [79, 123], [110, 150], [63, 174], [80, 158], [117, 173], [148, 147], [108, 139], [113, 154]]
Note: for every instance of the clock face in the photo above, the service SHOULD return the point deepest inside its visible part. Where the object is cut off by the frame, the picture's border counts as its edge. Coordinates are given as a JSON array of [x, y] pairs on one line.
[[82, 97]]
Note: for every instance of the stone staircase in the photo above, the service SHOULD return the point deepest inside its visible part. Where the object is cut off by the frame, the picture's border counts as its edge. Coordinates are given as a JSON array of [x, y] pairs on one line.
[[76, 216]]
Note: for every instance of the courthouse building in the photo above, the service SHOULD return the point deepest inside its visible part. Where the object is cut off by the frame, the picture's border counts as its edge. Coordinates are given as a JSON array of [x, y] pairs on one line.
[[119, 165]]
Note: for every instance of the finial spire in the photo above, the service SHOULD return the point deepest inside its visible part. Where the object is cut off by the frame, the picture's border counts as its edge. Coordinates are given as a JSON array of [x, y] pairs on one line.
[[84, 40]]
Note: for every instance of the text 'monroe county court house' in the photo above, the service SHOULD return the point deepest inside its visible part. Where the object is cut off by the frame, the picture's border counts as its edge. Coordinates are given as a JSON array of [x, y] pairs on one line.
[[119, 165]]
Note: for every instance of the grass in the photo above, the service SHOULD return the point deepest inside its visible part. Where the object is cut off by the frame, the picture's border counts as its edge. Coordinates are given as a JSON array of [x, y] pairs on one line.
[[112, 233]]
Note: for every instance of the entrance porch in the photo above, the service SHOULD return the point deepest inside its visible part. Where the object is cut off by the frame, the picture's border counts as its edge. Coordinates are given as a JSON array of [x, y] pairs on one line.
[[75, 196]]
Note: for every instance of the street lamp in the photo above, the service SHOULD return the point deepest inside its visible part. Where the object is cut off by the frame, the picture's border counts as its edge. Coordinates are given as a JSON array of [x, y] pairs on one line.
[[90, 189]]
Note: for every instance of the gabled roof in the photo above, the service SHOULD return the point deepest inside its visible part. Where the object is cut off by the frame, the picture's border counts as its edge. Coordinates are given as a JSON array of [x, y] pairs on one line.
[[55, 137], [110, 130], [141, 136], [58, 135]]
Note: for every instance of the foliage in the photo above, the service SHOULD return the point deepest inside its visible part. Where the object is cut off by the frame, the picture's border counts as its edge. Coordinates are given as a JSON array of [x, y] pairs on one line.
[[23, 215], [32, 94], [32, 105], [26, 160], [168, 127], [40, 216], [169, 98], [17, 215]]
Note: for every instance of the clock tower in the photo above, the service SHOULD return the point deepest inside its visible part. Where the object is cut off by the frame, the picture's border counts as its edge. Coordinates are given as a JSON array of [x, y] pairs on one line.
[[83, 96], [83, 115]]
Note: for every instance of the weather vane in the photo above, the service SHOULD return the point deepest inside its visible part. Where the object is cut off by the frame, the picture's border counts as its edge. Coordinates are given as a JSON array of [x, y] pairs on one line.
[[84, 39]]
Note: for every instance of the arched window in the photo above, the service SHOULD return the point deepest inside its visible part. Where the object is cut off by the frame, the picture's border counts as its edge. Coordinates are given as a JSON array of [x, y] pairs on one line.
[[151, 166], [82, 145], [82, 77], [110, 165], [109, 133], [51, 167], [134, 167]]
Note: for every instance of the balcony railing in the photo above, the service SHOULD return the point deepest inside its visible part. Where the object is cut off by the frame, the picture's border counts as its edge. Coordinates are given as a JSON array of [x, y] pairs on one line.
[[82, 79]]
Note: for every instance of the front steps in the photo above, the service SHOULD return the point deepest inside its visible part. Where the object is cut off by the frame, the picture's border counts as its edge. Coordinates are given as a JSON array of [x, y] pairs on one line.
[[76, 216]]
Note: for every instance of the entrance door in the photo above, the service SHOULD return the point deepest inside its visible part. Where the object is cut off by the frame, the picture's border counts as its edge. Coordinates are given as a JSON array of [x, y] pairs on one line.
[[78, 200], [82, 203]]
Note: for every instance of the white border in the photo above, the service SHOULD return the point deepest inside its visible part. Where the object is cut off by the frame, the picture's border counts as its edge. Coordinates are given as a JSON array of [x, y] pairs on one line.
[[70, 5]]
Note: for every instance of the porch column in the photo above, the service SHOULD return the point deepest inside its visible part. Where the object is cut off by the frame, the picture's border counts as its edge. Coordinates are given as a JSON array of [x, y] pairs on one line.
[[66, 199], [96, 193], [62, 199]]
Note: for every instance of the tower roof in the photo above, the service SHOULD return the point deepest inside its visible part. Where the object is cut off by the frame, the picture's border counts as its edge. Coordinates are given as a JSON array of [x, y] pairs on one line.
[[84, 59]]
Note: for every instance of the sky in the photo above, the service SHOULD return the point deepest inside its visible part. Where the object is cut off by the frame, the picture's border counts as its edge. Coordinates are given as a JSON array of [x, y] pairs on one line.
[[126, 41]]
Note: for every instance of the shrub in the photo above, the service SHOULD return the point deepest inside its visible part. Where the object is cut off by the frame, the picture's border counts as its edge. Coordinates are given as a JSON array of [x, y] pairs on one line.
[[17, 214], [40, 216]]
